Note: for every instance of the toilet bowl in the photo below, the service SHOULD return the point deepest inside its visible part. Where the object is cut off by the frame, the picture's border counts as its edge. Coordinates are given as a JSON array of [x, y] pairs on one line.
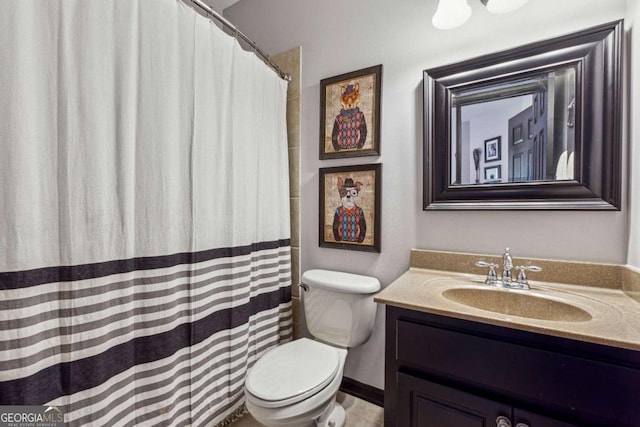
[[295, 384], [291, 394]]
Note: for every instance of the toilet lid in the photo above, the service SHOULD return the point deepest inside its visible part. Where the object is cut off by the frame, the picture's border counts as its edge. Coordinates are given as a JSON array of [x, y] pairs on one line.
[[300, 367]]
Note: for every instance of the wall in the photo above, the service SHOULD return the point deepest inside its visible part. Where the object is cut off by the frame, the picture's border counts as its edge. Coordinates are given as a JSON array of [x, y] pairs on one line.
[[342, 36], [633, 128], [289, 62]]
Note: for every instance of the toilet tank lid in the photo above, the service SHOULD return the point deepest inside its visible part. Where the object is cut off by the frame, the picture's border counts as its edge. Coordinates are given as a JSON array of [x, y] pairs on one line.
[[341, 282]]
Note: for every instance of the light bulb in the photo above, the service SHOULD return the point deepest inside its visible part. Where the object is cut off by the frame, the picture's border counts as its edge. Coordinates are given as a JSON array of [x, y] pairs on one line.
[[504, 6], [451, 14]]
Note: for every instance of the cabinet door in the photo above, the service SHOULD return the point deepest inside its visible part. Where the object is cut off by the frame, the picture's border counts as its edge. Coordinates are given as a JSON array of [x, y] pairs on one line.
[[423, 403], [528, 419]]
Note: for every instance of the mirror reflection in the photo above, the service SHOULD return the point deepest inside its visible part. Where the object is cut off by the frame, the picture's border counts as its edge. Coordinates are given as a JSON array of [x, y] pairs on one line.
[[514, 132]]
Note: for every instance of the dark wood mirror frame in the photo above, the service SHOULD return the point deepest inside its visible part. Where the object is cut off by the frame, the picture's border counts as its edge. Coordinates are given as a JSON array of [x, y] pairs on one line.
[[596, 54]]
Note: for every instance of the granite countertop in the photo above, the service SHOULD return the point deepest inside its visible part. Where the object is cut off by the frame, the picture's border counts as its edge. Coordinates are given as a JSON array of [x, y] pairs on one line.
[[613, 317]]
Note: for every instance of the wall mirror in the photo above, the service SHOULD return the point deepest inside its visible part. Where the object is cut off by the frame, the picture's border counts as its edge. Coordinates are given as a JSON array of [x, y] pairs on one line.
[[535, 127]]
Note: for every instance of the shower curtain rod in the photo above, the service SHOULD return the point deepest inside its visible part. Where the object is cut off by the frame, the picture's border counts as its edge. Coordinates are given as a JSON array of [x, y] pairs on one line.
[[239, 34]]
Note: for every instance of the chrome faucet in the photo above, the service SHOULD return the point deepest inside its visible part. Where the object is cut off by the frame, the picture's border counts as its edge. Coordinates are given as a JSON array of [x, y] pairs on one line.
[[507, 265], [506, 281]]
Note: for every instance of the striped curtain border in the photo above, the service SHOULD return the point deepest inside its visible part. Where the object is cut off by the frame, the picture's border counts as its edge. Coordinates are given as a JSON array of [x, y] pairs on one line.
[[79, 375], [39, 276]]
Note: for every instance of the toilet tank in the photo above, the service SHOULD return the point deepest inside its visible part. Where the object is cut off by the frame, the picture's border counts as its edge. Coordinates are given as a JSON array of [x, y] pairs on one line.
[[338, 306]]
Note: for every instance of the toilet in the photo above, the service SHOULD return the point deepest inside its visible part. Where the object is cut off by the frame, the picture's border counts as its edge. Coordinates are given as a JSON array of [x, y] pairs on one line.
[[295, 384]]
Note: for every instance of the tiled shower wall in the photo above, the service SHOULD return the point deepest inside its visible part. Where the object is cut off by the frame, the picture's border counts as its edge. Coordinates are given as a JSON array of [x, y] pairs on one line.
[[290, 62]]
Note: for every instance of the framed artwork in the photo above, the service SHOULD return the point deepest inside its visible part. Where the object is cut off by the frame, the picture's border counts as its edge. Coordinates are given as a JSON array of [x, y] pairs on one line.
[[350, 114], [350, 207], [493, 173], [492, 149]]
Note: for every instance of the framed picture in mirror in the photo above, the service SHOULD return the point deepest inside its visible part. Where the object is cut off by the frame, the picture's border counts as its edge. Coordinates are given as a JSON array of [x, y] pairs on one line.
[[492, 149], [493, 174]]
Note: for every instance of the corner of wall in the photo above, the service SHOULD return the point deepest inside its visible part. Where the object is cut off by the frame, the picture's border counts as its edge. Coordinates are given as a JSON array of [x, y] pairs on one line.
[[633, 130], [290, 62]]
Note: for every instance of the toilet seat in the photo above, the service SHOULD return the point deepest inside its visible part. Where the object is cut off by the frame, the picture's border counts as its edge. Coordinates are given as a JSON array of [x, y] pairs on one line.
[[292, 372]]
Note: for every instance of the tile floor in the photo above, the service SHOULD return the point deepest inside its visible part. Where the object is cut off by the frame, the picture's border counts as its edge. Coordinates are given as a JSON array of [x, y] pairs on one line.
[[359, 413]]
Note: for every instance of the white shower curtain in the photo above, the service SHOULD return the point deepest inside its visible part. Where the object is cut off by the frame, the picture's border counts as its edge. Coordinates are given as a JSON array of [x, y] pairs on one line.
[[144, 215]]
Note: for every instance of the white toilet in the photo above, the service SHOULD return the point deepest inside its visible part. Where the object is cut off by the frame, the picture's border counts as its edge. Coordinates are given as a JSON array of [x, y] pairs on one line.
[[295, 384]]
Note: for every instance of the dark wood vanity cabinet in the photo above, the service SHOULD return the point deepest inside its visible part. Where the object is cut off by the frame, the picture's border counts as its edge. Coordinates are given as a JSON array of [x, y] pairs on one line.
[[446, 372], [425, 403]]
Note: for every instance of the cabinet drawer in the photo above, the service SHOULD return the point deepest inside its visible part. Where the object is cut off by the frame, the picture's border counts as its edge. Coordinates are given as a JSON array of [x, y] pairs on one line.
[[566, 384]]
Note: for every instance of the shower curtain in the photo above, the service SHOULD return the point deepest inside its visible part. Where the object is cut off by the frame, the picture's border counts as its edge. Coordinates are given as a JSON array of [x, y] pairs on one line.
[[144, 214]]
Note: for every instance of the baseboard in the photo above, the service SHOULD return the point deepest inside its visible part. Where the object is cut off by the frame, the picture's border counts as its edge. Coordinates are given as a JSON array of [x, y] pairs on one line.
[[363, 391]]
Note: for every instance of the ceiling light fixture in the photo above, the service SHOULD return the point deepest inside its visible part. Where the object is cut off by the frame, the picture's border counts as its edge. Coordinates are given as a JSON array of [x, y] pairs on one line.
[[451, 14]]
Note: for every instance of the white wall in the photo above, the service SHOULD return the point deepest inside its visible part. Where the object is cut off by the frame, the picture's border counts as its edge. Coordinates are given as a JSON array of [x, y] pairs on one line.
[[488, 120], [633, 127], [342, 36]]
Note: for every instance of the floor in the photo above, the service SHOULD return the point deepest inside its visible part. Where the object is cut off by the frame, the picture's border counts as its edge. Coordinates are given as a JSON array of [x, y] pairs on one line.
[[359, 413]]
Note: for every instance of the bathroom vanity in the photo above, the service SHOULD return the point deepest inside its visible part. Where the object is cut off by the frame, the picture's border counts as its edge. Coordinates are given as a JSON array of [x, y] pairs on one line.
[[554, 356]]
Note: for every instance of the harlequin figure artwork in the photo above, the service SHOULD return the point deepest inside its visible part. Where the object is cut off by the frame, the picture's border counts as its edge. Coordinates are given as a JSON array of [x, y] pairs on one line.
[[349, 222], [350, 127], [350, 114], [350, 207]]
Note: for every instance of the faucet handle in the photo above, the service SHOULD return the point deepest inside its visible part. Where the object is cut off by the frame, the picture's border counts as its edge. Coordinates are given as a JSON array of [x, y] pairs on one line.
[[522, 277], [492, 276]]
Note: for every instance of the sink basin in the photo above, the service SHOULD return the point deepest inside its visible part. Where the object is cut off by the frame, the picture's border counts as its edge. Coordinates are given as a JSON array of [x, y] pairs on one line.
[[521, 304]]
